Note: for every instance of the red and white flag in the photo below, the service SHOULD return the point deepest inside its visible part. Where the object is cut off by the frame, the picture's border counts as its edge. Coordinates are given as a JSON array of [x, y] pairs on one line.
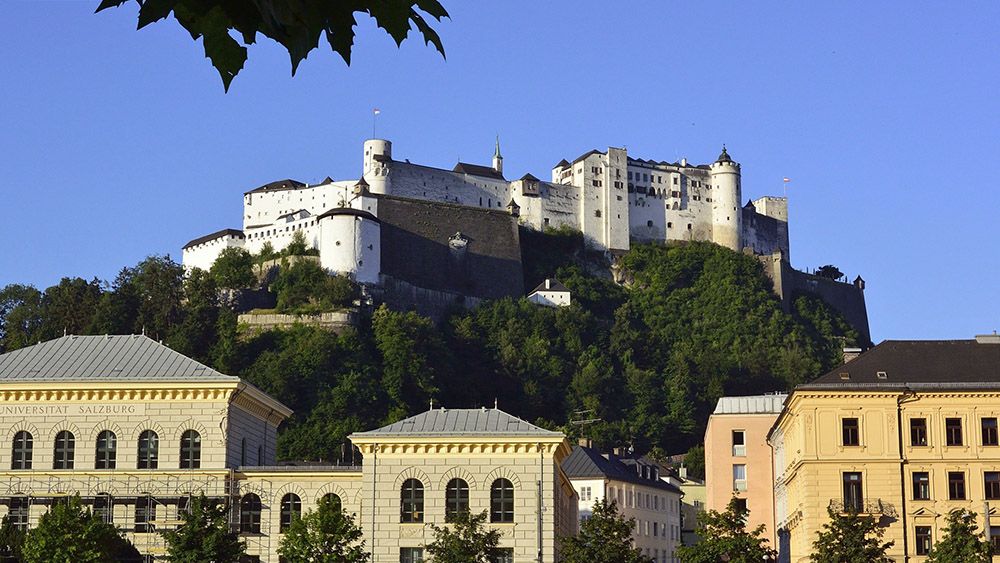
[[376, 111], [786, 180]]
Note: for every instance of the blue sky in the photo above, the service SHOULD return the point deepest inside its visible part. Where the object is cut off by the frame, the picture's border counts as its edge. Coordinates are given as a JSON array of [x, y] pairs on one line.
[[116, 144]]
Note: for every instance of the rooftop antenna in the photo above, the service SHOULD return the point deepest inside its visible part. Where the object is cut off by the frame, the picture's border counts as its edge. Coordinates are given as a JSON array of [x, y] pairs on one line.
[[496, 403], [432, 404], [375, 112]]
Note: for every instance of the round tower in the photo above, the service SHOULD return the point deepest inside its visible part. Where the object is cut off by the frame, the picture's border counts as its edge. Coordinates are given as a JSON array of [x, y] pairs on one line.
[[378, 153], [727, 223]]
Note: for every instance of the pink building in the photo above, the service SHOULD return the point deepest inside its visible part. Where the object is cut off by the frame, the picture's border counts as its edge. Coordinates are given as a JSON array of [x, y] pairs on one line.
[[738, 458]]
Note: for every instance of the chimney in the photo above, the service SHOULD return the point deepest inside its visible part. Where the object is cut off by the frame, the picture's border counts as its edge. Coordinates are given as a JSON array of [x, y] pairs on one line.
[[851, 353], [684, 162], [548, 283], [988, 338], [683, 472]]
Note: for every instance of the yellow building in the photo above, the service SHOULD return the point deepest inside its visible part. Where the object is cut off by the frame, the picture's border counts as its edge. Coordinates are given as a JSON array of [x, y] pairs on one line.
[[905, 432], [136, 428]]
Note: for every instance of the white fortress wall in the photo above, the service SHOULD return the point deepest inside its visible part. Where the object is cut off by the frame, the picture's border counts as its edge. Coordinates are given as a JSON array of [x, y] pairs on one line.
[[203, 255], [264, 207], [350, 244]]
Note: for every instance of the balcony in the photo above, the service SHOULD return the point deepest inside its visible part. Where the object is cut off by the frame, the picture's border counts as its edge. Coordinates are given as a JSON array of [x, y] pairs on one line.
[[870, 507]]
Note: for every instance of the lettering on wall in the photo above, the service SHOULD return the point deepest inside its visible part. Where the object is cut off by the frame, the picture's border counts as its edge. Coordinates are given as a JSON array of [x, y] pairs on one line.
[[72, 409]]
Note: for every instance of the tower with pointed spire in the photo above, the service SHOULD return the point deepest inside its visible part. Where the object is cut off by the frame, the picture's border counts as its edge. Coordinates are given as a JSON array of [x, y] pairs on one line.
[[727, 228], [497, 159]]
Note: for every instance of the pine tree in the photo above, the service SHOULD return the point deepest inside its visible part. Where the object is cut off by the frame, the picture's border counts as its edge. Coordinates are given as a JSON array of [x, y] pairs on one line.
[[203, 536], [605, 537], [849, 538], [725, 538], [962, 541]]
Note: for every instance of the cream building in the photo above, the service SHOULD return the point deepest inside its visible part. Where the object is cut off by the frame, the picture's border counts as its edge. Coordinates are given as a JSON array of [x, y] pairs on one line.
[[906, 432], [738, 458], [638, 491], [135, 428]]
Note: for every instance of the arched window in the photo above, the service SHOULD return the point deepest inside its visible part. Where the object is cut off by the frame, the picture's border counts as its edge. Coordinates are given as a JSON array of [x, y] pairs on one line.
[[63, 453], [21, 455], [190, 450], [291, 510], [250, 514], [149, 449], [102, 507], [456, 498], [107, 450], [412, 501], [145, 514], [502, 501], [334, 501]]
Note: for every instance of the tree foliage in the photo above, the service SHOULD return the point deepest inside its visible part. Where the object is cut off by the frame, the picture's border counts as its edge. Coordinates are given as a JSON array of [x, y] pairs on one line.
[[962, 541], [724, 537], [829, 271], [605, 537], [647, 360], [465, 539], [233, 269], [850, 537], [69, 533], [297, 25], [203, 535], [326, 535], [11, 541]]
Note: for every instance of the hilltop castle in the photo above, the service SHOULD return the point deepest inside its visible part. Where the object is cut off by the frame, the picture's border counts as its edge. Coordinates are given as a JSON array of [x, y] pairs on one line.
[[452, 235], [608, 196]]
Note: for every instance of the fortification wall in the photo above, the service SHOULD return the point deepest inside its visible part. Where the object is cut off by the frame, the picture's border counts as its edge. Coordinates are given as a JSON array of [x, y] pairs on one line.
[[764, 235], [848, 299], [433, 184]]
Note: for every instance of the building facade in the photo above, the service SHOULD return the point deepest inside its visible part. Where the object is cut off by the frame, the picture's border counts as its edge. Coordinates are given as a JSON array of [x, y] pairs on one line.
[[738, 457], [905, 432], [608, 196], [135, 429], [639, 493]]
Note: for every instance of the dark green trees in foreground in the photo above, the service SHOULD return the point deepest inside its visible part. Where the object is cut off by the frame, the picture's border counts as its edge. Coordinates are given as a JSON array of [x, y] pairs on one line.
[[961, 541], [465, 540], [325, 535], [724, 537], [605, 537], [70, 533], [204, 535], [850, 537]]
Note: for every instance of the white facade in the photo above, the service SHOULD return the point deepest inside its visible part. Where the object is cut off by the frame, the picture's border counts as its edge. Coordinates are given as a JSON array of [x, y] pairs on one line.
[[551, 293], [608, 196]]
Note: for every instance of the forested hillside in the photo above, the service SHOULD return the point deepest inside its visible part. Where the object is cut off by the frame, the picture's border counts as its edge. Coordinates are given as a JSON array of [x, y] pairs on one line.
[[648, 359]]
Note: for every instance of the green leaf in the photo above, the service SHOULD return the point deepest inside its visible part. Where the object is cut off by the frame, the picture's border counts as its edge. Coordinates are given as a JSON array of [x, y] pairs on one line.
[[105, 4], [154, 10]]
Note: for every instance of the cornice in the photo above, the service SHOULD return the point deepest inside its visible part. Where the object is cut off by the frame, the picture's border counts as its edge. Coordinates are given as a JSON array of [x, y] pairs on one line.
[[82, 392], [318, 475], [459, 446]]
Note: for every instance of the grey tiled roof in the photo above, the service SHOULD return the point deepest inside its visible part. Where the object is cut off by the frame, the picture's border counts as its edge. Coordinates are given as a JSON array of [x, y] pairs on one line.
[[104, 358], [586, 463], [213, 236], [554, 285], [754, 404], [465, 422]]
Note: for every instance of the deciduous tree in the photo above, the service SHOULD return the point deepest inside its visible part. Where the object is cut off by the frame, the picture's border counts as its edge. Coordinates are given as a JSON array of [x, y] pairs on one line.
[[324, 535], [962, 541], [605, 537], [69, 533], [850, 537], [465, 539], [297, 25], [203, 535], [724, 537]]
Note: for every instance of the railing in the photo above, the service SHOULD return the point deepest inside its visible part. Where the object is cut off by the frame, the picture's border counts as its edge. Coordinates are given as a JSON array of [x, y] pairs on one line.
[[870, 507]]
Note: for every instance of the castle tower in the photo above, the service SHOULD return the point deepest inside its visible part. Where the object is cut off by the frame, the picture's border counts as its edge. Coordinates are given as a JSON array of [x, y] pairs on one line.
[[378, 154], [497, 159], [726, 213]]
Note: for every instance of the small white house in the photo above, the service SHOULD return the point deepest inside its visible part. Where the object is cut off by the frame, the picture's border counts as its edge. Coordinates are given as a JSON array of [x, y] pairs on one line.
[[550, 293]]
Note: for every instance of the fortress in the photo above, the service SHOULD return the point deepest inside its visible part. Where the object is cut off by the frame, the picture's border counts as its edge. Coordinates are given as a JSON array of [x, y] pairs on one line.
[[412, 229]]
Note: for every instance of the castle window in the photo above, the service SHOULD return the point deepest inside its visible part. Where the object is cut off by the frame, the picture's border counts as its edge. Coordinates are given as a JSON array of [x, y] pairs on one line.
[[107, 450], [412, 502], [149, 447], [250, 514], [334, 500], [17, 513], [64, 449], [145, 513], [21, 458], [291, 510], [456, 501], [190, 450], [670, 225], [502, 501], [649, 223], [675, 180], [953, 431], [597, 213], [689, 226]]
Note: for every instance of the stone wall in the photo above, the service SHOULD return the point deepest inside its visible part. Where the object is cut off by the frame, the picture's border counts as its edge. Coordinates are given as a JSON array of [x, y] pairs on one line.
[[334, 321]]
